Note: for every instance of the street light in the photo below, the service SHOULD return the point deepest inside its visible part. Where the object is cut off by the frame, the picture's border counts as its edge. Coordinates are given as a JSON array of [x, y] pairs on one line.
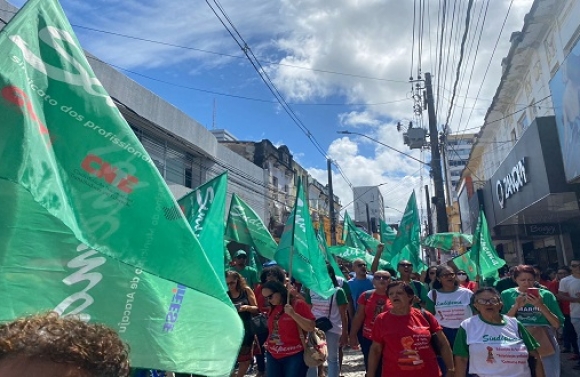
[[383, 144], [398, 210]]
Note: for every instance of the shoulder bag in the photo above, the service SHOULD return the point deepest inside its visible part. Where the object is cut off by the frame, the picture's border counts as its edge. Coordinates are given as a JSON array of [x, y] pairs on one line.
[[434, 340], [324, 323], [315, 350]]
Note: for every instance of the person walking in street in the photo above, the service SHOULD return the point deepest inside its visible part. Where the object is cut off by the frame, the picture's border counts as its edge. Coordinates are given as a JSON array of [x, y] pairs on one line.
[[240, 265], [405, 268], [464, 281], [570, 291], [402, 339], [538, 310], [370, 304], [569, 336], [492, 344], [331, 317], [244, 300], [285, 357]]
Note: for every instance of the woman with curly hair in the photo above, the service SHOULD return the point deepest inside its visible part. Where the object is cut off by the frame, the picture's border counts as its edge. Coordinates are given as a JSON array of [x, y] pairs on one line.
[[244, 300], [51, 346]]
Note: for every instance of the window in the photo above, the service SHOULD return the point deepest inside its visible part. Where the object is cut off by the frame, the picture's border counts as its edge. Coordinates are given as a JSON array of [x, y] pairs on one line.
[[523, 122], [513, 136], [275, 183]]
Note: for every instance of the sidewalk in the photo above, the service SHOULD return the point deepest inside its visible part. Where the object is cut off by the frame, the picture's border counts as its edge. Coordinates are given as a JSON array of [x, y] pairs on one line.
[[567, 365]]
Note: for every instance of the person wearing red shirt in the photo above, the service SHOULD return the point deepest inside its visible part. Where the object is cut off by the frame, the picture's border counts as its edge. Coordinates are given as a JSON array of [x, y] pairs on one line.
[[402, 339], [285, 356], [370, 304], [464, 281]]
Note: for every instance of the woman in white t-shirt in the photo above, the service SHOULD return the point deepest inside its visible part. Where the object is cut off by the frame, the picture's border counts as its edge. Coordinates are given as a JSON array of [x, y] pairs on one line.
[[494, 345], [333, 308], [450, 303]]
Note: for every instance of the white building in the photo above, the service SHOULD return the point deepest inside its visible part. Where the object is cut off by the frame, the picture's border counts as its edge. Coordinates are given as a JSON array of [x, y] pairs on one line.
[[368, 206]]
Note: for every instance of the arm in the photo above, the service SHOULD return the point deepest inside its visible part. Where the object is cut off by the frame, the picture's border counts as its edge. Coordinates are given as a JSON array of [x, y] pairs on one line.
[[357, 322], [461, 366], [253, 307], [304, 323], [446, 353], [519, 303], [545, 310], [565, 296], [344, 320], [376, 260], [375, 354]]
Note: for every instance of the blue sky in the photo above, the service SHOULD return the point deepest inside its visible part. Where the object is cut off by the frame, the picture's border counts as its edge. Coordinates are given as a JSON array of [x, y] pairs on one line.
[[366, 44]]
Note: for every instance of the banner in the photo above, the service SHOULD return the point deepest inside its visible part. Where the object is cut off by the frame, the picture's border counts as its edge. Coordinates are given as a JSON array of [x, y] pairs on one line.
[[204, 209], [407, 244], [350, 254], [483, 253], [300, 244], [444, 241], [88, 225], [245, 226], [327, 254]]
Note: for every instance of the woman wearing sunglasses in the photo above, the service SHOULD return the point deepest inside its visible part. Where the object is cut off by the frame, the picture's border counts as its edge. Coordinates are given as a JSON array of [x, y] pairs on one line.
[[244, 300], [493, 344], [464, 281], [285, 356], [370, 304], [450, 303]]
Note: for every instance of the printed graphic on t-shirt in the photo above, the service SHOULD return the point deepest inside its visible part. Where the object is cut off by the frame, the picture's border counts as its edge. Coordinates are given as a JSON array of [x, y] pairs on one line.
[[275, 335], [381, 302], [409, 359], [490, 358]]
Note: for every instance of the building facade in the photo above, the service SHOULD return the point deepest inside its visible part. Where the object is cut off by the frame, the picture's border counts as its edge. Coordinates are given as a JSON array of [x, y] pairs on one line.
[[521, 167], [369, 207], [457, 148]]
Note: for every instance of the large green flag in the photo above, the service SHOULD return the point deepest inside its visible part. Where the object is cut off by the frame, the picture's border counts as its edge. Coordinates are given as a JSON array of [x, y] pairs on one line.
[[204, 208], [482, 251], [327, 254], [482, 258], [245, 226], [465, 263], [444, 241], [407, 244], [299, 249], [356, 237], [388, 236], [350, 254], [88, 225]]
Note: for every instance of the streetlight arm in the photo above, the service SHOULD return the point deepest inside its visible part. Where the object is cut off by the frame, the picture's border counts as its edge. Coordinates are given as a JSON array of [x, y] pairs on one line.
[[385, 145]]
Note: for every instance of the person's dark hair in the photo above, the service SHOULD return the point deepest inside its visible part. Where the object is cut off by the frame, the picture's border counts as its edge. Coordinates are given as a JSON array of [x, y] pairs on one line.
[[93, 348], [276, 271], [427, 277], [277, 287], [408, 290], [332, 275], [524, 269], [565, 268], [440, 271], [546, 274]]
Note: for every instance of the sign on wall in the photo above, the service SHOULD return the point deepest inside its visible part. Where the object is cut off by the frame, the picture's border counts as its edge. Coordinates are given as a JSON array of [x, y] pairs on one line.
[[511, 183]]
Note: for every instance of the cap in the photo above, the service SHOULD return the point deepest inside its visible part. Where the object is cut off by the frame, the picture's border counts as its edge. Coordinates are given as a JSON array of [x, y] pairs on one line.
[[240, 253]]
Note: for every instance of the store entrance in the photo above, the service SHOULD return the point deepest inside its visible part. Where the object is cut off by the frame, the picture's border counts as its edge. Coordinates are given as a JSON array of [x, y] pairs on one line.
[[546, 257]]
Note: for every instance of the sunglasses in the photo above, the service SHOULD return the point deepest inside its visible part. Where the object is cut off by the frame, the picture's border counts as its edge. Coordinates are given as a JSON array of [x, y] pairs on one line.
[[381, 277], [575, 265], [405, 265], [461, 273], [361, 265], [449, 274], [491, 301]]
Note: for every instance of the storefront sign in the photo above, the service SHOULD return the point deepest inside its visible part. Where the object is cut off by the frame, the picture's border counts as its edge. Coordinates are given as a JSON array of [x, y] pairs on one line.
[[512, 183], [542, 229]]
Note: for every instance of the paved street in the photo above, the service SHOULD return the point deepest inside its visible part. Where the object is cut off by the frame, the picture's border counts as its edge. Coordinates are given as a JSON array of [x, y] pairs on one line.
[[353, 365]]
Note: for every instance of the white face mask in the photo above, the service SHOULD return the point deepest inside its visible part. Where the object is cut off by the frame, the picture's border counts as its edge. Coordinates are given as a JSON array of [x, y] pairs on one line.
[[461, 277]]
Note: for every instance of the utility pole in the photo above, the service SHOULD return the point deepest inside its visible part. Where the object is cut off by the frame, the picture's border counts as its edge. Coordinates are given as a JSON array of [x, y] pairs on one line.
[[331, 204], [429, 223], [436, 159]]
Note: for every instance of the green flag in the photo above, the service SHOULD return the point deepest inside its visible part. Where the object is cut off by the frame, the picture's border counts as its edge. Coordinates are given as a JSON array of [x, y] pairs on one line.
[[300, 245], [350, 254], [444, 241], [245, 226], [407, 244], [356, 237], [88, 225], [204, 209], [465, 263], [483, 253], [324, 249], [388, 236]]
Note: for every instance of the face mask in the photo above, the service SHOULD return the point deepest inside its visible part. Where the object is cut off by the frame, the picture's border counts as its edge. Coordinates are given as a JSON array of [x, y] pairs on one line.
[[462, 277]]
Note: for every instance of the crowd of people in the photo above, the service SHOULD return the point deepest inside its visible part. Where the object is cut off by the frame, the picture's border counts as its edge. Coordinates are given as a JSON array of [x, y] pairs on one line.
[[440, 325]]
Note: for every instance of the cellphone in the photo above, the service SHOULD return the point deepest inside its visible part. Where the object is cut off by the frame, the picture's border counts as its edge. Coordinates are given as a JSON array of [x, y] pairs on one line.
[[238, 306], [534, 292]]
